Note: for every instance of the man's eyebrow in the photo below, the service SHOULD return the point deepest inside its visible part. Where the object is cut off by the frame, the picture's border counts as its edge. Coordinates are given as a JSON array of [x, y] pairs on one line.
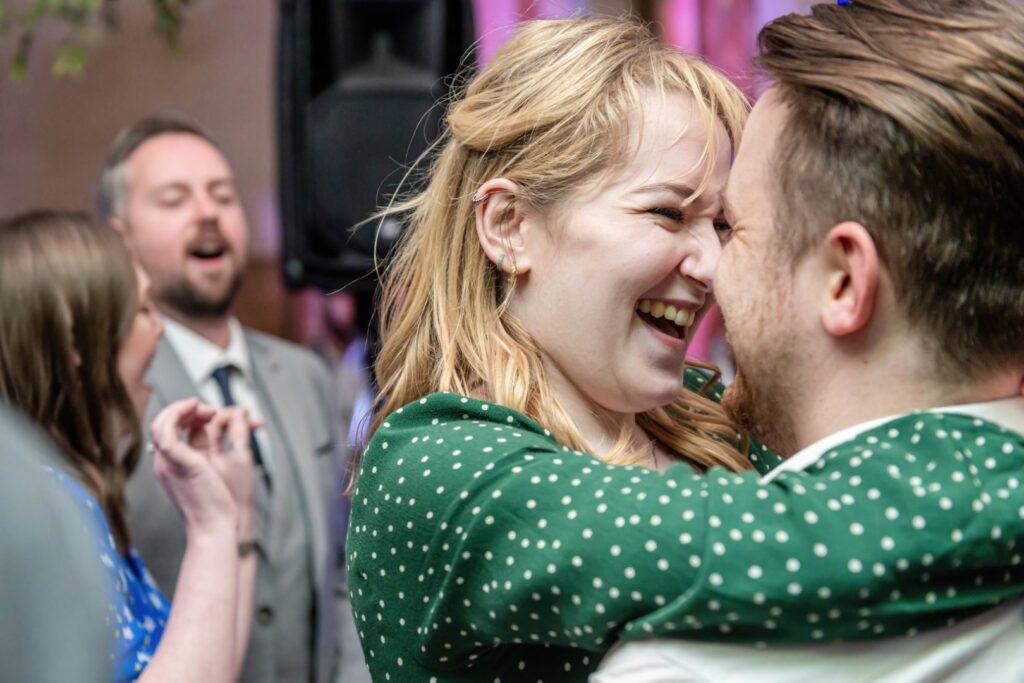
[[184, 184], [170, 185]]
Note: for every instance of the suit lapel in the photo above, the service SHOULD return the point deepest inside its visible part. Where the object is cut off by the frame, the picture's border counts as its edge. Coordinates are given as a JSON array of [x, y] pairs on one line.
[[169, 379], [292, 445]]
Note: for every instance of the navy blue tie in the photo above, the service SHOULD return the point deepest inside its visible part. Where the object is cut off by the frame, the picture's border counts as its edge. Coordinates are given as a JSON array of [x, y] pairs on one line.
[[222, 377]]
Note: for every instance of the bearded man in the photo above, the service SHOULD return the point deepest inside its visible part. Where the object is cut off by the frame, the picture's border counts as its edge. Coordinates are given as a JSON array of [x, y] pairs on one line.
[[168, 188]]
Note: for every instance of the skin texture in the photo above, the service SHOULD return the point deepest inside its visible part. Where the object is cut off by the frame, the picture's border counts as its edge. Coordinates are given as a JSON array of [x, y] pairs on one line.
[[757, 294], [583, 267], [180, 197]]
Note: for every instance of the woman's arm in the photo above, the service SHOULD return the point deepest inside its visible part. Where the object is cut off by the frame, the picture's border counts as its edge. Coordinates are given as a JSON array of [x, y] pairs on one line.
[[243, 619], [211, 595], [474, 528], [201, 628], [233, 429]]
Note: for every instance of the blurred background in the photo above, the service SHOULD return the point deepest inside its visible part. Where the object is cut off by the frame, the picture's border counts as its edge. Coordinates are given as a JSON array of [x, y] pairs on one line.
[[276, 81]]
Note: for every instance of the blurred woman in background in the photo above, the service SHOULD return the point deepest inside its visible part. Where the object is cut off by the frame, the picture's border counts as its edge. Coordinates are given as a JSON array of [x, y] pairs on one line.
[[77, 335]]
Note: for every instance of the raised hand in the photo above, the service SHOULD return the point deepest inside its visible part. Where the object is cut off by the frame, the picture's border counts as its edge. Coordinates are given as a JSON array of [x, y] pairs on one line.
[[189, 460], [227, 439]]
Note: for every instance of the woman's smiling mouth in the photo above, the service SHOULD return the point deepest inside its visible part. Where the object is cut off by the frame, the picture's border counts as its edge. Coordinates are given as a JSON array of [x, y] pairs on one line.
[[665, 317]]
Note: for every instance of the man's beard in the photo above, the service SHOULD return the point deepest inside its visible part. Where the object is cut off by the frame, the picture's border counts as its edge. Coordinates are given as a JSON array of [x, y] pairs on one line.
[[184, 297], [762, 403]]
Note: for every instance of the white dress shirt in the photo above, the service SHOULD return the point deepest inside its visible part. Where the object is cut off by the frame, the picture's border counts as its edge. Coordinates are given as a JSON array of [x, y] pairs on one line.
[[986, 648]]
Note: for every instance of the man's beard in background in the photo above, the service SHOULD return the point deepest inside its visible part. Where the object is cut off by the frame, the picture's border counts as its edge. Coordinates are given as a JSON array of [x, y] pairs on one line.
[[182, 296]]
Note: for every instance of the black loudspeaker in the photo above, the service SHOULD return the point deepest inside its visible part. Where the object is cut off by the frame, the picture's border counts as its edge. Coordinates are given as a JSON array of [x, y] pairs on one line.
[[361, 86]]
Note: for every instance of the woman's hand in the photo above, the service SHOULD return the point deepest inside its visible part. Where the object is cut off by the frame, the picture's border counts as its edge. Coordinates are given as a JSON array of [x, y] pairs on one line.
[[202, 459], [228, 439]]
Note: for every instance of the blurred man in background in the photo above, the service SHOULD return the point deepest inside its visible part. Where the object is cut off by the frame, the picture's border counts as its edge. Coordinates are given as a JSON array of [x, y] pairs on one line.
[[167, 187]]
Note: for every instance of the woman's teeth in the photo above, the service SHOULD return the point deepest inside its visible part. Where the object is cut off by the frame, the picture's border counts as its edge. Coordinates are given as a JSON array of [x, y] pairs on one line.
[[658, 309]]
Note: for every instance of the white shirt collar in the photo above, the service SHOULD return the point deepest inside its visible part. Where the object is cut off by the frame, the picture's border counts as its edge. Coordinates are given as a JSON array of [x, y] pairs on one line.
[[201, 357], [1008, 412]]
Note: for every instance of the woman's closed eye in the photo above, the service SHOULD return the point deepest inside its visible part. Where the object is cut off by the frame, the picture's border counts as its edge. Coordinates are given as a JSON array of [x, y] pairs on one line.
[[722, 227], [669, 212]]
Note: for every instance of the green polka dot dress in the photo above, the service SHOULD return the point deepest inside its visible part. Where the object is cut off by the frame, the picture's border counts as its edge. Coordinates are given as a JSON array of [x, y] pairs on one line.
[[482, 550]]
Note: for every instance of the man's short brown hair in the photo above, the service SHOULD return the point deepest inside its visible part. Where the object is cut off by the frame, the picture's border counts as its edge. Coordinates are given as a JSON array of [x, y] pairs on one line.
[[908, 117], [112, 176]]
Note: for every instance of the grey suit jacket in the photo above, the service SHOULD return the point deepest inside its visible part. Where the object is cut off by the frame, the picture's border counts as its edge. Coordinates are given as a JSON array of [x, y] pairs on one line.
[[292, 389]]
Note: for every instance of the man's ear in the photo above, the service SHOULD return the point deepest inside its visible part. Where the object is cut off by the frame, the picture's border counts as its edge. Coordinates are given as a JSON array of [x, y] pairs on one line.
[[119, 225], [500, 212], [852, 270]]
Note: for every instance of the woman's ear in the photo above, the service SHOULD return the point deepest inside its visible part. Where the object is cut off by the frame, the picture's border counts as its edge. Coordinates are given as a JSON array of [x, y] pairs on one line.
[[500, 212]]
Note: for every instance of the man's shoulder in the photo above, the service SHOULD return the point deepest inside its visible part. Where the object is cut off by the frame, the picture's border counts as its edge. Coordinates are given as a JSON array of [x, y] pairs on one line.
[[941, 431], [281, 350], [926, 443]]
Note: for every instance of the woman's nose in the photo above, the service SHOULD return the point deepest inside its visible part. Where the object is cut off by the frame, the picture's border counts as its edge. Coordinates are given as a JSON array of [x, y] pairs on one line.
[[701, 259]]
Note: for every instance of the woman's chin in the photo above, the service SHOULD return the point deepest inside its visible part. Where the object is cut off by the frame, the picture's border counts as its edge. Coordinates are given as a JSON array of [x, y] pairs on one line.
[[658, 393]]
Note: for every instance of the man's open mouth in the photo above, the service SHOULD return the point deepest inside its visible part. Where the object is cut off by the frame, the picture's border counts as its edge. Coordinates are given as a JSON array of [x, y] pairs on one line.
[[208, 250]]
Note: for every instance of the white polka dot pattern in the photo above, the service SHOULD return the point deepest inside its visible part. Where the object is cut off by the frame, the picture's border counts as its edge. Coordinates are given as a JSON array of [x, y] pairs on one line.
[[137, 612], [480, 549]]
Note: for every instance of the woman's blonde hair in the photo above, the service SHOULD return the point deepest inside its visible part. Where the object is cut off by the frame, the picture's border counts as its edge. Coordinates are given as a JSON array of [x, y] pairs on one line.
[[68, 293], [550, 113]]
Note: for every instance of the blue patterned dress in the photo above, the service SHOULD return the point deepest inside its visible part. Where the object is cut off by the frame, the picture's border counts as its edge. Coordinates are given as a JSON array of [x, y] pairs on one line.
[[137, 611]]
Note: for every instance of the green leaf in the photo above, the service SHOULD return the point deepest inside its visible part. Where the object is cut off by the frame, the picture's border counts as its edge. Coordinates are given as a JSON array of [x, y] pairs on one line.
[[17, 70], [83, 19], [89, 35], [70, 60]]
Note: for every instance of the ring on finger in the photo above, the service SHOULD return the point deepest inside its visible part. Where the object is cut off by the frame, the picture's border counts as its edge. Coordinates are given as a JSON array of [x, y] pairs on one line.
[[234, 447]]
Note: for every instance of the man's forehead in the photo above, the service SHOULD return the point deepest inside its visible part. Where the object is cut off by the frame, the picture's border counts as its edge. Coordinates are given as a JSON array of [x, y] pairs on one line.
[[176, 157], [753, 163], [763, 127]]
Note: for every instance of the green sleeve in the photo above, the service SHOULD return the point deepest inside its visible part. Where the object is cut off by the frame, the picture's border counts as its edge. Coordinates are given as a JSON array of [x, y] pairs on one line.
[[474, 530]]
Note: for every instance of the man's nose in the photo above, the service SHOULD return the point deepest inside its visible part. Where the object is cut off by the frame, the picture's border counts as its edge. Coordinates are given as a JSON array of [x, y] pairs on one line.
[[207, 209]]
